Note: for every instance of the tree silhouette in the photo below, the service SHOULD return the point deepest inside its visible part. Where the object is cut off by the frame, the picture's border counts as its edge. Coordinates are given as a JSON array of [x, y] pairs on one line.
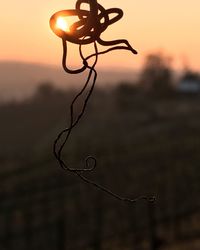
[[157, 73]]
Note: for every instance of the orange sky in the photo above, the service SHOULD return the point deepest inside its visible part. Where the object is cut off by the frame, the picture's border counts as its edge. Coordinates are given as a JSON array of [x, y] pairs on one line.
[[169, 26]]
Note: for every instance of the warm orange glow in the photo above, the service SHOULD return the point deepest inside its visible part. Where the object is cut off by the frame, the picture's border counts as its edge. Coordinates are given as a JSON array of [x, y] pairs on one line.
[[62, 24], [173, 28]]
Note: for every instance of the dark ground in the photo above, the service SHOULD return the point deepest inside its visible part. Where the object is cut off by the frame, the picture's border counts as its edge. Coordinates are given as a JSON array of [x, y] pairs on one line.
[[145, 144]]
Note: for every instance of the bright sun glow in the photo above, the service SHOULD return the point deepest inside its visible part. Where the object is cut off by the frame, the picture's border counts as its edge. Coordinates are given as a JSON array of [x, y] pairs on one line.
[[62, 24]]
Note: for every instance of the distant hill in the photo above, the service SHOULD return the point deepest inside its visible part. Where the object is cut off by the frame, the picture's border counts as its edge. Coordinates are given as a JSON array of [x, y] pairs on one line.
[[19, 80]]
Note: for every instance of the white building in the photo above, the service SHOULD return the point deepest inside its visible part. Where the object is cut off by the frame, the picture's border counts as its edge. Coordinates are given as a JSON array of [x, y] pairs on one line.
[[189, 83]]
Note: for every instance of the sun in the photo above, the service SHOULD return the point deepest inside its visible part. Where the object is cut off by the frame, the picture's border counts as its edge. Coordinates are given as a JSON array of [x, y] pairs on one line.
[[62, 24]]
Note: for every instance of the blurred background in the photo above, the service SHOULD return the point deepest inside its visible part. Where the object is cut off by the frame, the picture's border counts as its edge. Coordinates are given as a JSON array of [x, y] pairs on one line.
[[142, 124]]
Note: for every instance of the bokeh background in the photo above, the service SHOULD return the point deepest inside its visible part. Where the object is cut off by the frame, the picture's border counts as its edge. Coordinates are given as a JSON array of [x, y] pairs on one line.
[[142, 124]]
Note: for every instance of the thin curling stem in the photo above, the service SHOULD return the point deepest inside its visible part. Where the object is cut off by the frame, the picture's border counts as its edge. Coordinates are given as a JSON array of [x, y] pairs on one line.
[[67, 132], [87, 30], [64, 61]]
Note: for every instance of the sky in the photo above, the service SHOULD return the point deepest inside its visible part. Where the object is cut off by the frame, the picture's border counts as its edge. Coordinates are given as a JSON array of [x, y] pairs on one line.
[[171, 27]]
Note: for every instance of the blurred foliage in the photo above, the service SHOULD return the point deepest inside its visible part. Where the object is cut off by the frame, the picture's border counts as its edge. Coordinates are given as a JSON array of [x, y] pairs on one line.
[[157, 73]]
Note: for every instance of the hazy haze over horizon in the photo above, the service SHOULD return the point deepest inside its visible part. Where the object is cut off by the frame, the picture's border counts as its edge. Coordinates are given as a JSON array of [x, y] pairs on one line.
[[20, 80]]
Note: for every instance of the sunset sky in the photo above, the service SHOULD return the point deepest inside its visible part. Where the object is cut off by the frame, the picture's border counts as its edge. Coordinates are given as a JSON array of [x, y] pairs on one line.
[[169, 26]]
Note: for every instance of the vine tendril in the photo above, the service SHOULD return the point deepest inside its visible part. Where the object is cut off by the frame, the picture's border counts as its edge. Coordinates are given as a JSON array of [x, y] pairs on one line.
[[87, 30]]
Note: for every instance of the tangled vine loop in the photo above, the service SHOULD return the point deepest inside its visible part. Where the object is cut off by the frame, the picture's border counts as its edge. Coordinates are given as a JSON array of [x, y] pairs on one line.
[[92, 22]]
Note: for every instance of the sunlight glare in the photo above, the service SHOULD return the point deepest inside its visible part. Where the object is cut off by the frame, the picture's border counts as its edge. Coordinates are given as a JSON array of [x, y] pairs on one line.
[[62, 24]]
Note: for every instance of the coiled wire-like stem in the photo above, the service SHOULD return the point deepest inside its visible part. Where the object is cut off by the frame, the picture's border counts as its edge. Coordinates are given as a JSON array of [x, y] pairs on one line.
[[87, 30]]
